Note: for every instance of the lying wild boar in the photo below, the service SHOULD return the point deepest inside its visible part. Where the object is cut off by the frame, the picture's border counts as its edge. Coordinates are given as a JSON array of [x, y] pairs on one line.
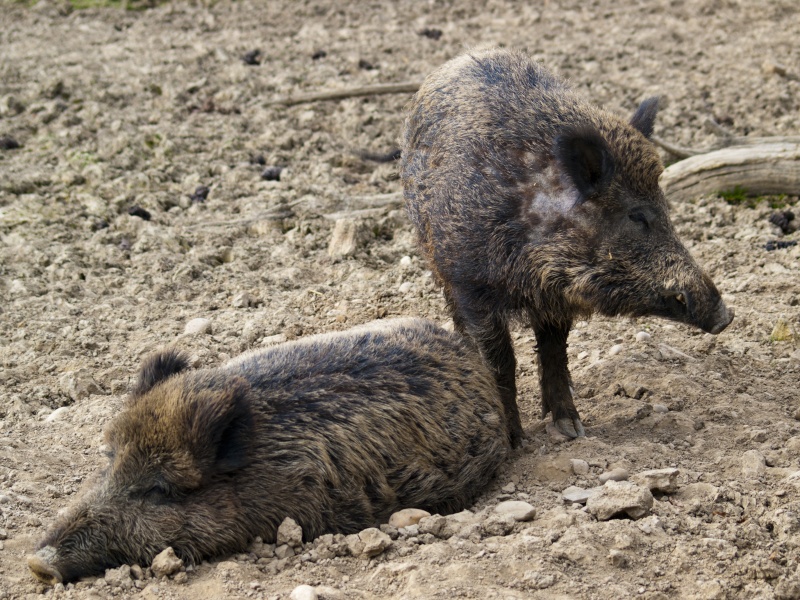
[[336, 431], [529, 201]]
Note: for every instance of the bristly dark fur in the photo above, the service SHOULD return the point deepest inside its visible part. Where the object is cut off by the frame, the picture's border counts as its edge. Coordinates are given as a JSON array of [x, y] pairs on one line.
[[334, 431], [157, 367], [529, 202]]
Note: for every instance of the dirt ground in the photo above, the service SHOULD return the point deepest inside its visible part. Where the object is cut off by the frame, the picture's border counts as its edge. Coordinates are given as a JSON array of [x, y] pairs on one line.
[[116, 110]]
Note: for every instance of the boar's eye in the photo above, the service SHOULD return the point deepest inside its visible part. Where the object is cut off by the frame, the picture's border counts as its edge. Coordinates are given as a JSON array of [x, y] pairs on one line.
[[638, 217], [155, 493]]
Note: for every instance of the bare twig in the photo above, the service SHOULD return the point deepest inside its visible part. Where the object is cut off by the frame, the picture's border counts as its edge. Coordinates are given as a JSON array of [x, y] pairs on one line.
[[370, 90]]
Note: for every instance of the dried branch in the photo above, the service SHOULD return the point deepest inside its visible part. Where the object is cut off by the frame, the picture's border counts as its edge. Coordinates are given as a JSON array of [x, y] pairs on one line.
[[370, 90]]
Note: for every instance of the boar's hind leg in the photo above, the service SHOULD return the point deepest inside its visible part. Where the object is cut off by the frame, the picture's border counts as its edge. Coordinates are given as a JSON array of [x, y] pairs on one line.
[[551, 341], [491, 334]]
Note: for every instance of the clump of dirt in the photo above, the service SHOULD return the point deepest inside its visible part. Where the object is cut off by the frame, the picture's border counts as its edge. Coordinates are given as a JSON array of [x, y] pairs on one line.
[[120, 116]]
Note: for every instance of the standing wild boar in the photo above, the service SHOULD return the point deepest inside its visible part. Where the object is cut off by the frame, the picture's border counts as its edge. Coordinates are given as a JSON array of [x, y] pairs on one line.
[[336, 431], [529, 201]]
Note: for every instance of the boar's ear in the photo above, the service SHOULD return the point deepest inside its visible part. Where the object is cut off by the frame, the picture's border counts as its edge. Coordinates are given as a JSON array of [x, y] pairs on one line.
[[645, 116], [221, 426], [158, 367], [587, 160]]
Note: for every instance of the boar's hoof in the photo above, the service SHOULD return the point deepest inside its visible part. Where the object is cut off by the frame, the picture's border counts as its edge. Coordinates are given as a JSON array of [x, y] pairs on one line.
[[570, 427], [44, 571]]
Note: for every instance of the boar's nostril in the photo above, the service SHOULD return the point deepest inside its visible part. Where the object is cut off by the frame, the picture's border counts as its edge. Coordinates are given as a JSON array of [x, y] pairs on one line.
[[45, 572]]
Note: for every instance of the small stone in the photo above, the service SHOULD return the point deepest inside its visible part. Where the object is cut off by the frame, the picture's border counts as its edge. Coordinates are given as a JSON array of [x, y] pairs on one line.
[[198, 326], [618, 559], [660, 408], [284, 551], [405, 261], [615, 349], [618, 474], [8, 143], [354, 544], [782, 331], [509, 488], [181, 578], [243, 300], [519, 510], [436, 525], [697, 494], [272, 173], [78, 384], [120, 577], [579, 467], [137, 572], [643, 336], [796, 414], [57, 414], [407, 516], [498, 525], [405, 287], [346, 238], [753, 464], [289, 532], [554, 434], [200, 194], [620, 497], [166, 563], [375, 541], [3, 534], [578, 495], [304, 592], [253, 58], [773, 68], [661, 480], [759, 435]]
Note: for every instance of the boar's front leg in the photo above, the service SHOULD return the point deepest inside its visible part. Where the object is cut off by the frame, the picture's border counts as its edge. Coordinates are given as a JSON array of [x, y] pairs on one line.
[[490, 333], [551, 342]]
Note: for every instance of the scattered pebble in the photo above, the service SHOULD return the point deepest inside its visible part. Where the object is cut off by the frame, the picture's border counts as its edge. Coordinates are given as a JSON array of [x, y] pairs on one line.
[[661, 480], [579, 467], [198, 326], [753, 464], [200, 194], [272, 173], [615, 349], [519, 510], [243, 300], [166, 563], [290, 533], [620, 497], [252, 57], [138, 211], [498, 525], [618, 474], [407, 516], [796, 414], [304, 592], [643, 336], [782, 331], [319, 54], [78, 385], [8, 143], [578, 495], [365, 65], [346, 238], [660, 408], [374, 541], [431, 33]]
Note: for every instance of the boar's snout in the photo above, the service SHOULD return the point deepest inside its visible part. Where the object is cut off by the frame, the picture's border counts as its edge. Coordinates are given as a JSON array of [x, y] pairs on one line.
[[720, 318], [39, 564], [686, 306]]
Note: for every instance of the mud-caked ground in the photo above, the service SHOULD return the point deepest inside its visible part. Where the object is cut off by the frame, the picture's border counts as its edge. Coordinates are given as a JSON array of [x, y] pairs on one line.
[[109, 246]]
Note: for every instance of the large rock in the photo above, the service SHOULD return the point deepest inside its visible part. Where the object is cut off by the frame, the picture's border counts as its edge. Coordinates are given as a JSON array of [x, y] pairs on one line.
[[620, 497]]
